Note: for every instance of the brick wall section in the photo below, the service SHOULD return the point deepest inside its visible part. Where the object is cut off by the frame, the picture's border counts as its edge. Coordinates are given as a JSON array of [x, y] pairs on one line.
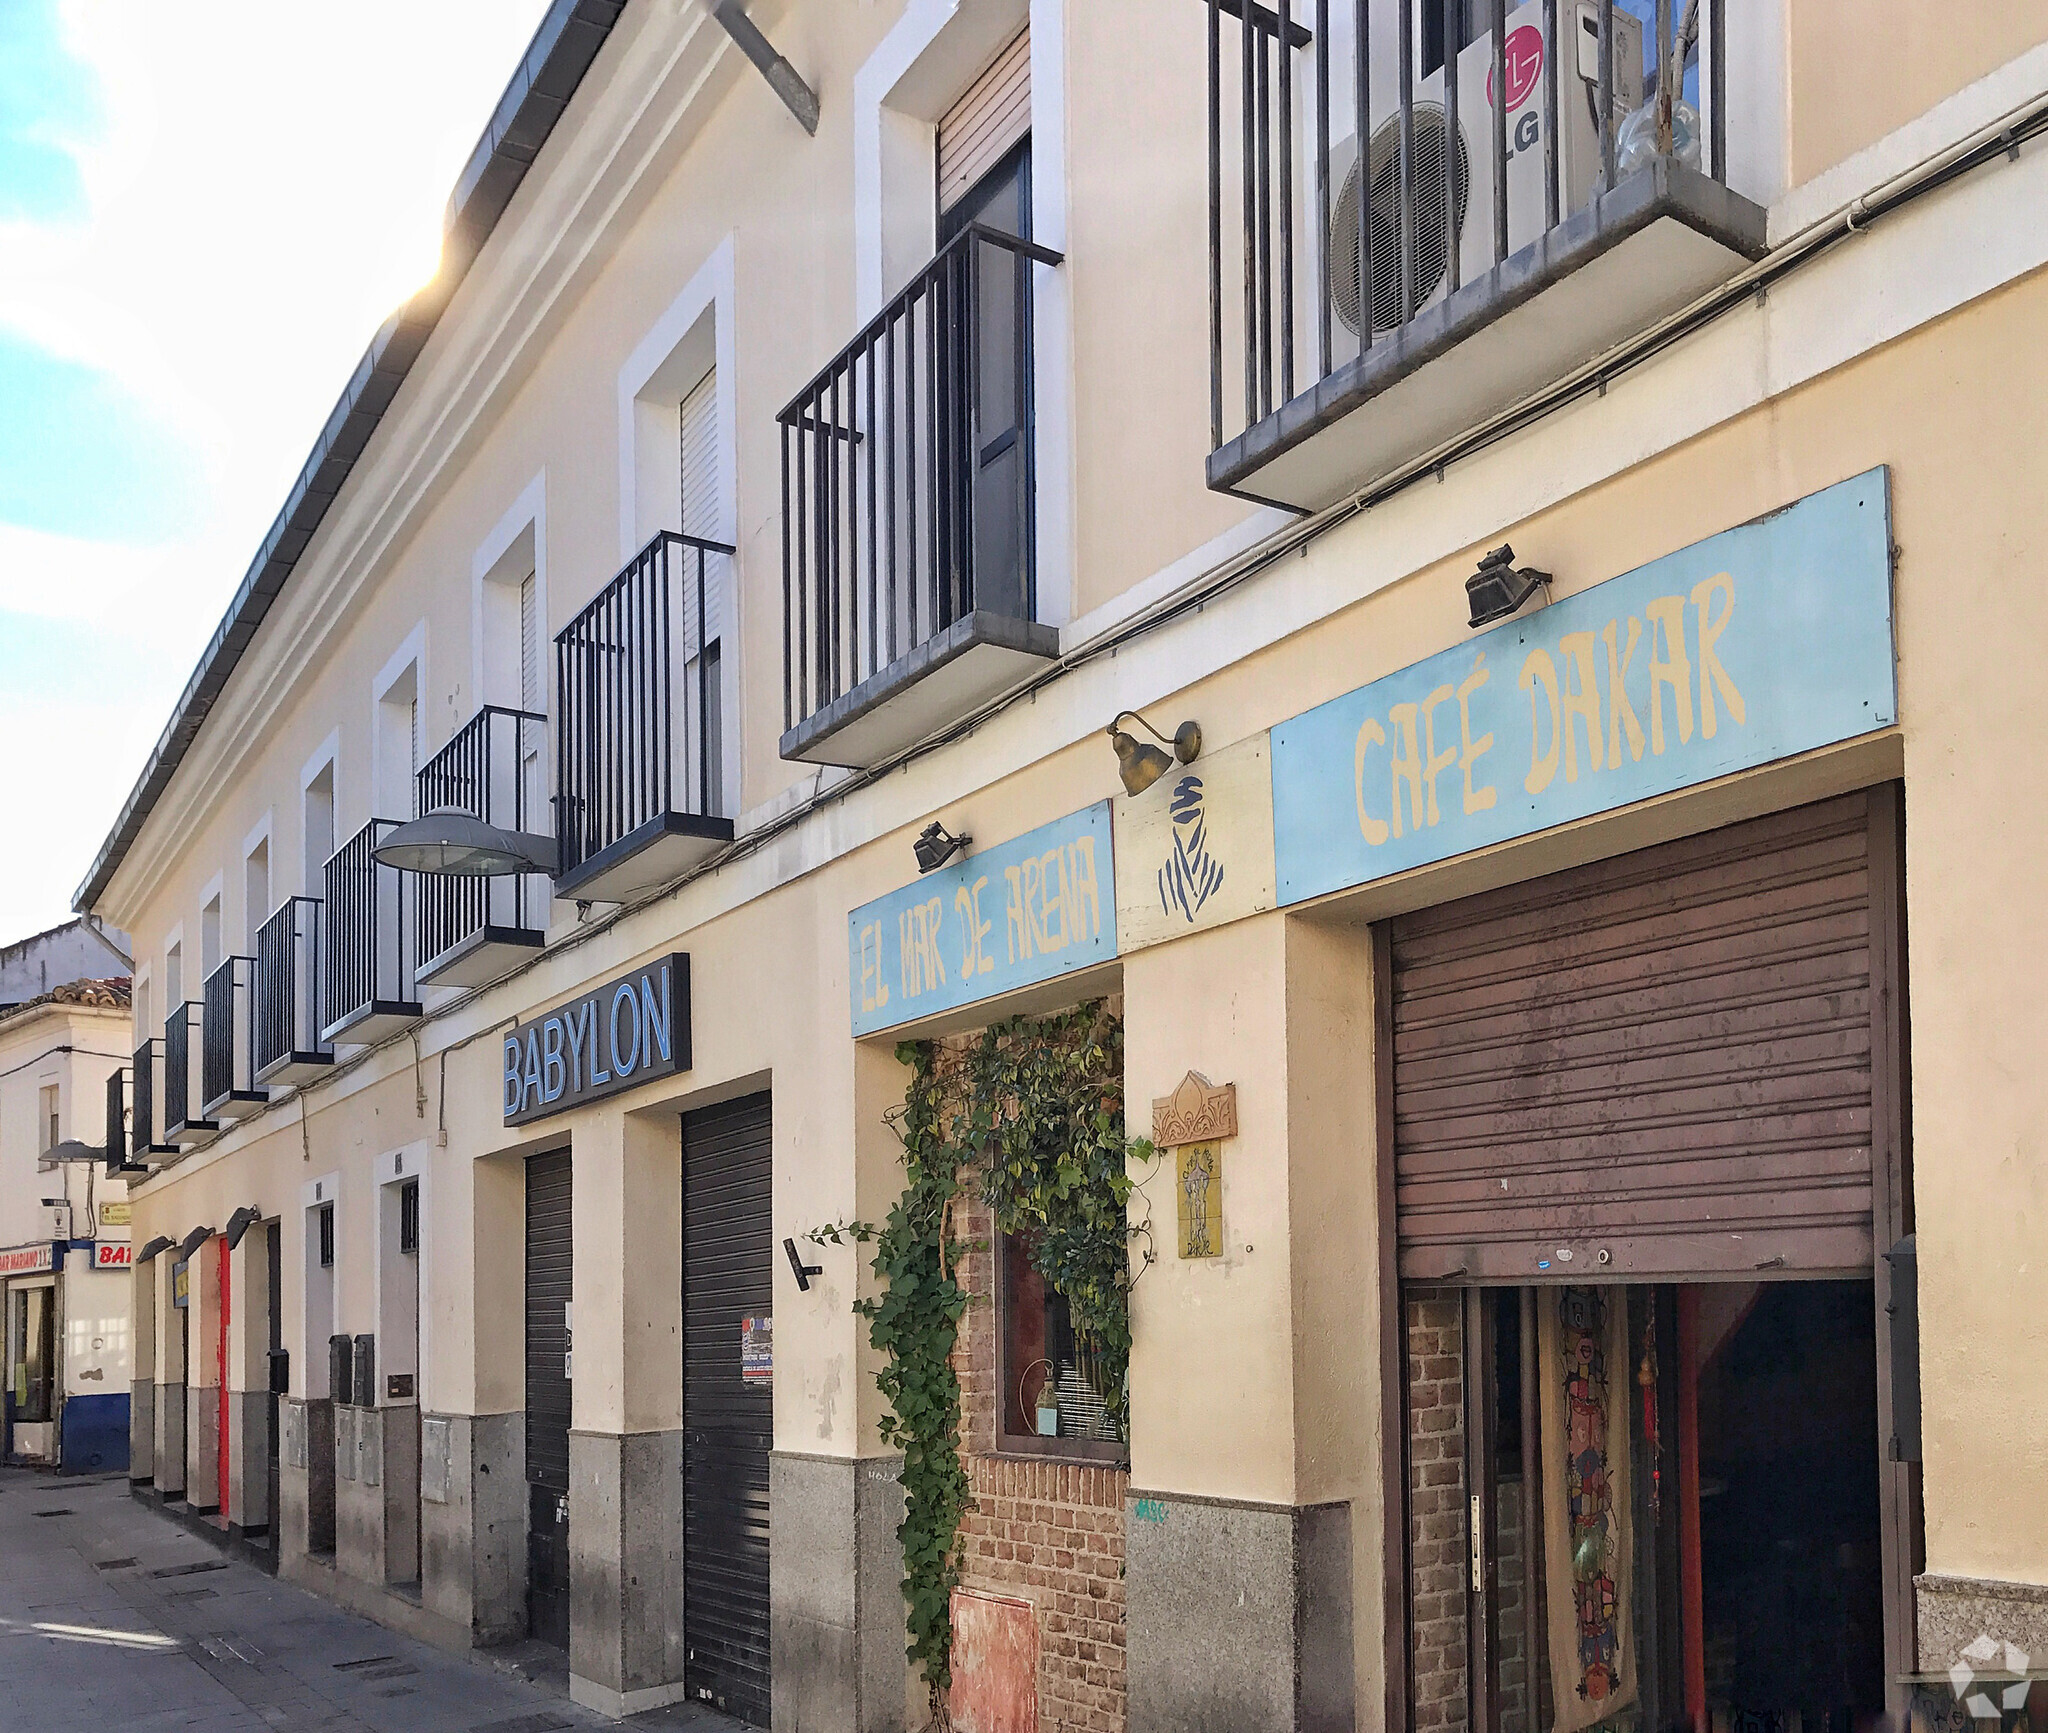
[[1043, 1531], [1436, 1506]]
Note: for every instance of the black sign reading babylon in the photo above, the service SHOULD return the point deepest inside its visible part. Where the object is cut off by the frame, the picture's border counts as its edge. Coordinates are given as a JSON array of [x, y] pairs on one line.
[[625, 1033]]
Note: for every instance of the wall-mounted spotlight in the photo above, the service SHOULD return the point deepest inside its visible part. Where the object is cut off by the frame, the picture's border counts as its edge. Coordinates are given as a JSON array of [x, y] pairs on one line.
[[162, 1243], [1140, 765], [1499, 588], [193, 1241], [804, 1271], [936, 845], [238, 1224]]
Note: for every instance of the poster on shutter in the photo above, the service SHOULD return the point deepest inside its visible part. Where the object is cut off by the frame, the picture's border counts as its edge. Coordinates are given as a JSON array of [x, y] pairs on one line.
[[757, 1350]]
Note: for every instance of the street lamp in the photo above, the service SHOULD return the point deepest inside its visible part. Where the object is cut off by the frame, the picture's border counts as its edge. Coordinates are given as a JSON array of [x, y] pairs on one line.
[[457, 844]]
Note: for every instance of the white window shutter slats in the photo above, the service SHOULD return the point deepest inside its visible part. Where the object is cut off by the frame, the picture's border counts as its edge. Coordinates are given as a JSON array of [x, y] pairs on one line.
[[982, 127]]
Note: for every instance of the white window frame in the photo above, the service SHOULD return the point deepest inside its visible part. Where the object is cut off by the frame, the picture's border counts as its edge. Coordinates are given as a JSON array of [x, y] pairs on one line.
[[693, 335], [261, 836], [393, 1170], [174, 940], [213, 892], [313, 873], [313, 1196], [926, 61], [408, 662], [517, 545]]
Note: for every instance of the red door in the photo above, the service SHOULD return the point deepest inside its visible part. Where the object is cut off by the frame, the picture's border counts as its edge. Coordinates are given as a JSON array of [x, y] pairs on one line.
[[222, 1349]]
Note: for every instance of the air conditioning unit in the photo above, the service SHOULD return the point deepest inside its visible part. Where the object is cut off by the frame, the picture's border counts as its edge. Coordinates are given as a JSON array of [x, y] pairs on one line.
[[1466, 194]]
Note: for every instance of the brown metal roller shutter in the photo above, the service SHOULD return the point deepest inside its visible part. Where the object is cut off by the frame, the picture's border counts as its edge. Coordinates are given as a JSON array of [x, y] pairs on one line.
[[1664, 1057], [729, 1424], [979, 130]]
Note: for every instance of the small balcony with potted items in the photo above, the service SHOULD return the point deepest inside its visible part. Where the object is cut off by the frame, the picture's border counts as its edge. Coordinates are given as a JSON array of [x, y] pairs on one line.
[[370, 987], [908, 504], [290, 1048], [471, 930], [227, 1063], [1368, 306], [186, 1126], [640, 755]]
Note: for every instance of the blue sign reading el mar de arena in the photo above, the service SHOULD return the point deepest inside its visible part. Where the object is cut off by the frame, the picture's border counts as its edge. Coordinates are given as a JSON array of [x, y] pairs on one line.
[[627, 1032], [1031, 909], [1765, 641]]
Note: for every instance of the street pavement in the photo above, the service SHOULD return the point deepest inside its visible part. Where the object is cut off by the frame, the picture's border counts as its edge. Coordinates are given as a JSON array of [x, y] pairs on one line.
[[114, 1617]]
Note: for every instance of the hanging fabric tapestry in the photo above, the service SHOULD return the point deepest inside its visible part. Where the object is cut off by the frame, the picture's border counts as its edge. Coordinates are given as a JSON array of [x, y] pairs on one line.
[[1587, 1542]]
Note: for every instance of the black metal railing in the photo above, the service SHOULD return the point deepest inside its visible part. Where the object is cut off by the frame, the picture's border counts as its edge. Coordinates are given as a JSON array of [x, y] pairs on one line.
[[115, 1142], [227, 1057], [639, 694], [142, 1121], [288, 986], [182, 1078], [1319, 249], [369, 930], [493, 768], [907, 478]]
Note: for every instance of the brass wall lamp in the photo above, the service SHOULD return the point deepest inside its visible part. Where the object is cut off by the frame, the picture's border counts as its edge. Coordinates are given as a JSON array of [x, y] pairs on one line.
[[1141, 765]]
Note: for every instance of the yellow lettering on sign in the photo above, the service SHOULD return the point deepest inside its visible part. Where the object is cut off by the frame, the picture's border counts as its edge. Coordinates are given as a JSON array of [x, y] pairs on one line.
[[1712, 674], [1407, 766], [1539, 670], [874, 990], [974, 957], [1018, 918], [1620, 712], [1372, 829], [1581, 699], [1052, 910], [1085, 921], [1436, 763], [1673, 669], [1476, 800]]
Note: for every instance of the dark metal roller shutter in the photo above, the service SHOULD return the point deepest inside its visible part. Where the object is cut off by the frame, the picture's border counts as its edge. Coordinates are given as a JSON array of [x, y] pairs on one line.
[[1665, 1057], [548, 1271], [729, 1424]]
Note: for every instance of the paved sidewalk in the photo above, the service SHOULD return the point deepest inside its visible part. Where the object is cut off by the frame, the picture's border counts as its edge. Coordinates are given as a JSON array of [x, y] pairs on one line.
[[113, 1617]]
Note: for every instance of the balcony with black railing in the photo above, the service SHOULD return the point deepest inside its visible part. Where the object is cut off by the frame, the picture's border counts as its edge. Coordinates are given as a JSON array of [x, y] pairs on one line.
[[185, 1124], [227, 1061], [1386, 301], [114, 1137], [908, 508], [640, 754], [471, 930], [289, 1046], [370, 986], [146, 1100]]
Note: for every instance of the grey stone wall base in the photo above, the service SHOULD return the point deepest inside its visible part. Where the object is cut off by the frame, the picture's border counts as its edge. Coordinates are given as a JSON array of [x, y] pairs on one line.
[[393, 1612], [376, 1493], [835, 1595], [1953, 1612], [305, 1476], [202, 1446], [141, 1430], [626, 1567], [1238, 1617], [249, 1459], [473, 1522], [169, 1454]]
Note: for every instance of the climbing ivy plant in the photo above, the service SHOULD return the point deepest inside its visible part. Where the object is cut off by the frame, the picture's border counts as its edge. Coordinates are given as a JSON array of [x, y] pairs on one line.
[[1031, 1115]]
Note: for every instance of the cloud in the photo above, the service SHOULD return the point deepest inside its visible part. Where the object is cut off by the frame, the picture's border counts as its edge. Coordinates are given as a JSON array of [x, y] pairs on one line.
[[206, 209]]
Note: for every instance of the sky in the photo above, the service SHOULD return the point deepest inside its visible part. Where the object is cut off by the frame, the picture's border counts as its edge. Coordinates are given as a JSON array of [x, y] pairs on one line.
[[207, 207]]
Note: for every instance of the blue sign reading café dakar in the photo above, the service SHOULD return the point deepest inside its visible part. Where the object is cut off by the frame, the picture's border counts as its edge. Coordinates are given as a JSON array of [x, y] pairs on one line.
[[1767, 640], [1036, 907]]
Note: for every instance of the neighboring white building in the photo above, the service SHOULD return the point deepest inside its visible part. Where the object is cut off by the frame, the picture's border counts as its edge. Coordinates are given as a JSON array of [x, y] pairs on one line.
[[63, 1225], [80, 950]]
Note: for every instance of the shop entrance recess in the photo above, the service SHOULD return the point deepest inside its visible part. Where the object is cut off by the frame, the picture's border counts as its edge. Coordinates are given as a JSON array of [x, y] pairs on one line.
[[221, 1428], [1647, 1150], [548, 1368], [277, 1373], [728, 1403]]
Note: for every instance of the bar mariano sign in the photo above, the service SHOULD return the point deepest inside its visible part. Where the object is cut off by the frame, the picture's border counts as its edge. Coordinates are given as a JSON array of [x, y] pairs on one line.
[[627, 1032]]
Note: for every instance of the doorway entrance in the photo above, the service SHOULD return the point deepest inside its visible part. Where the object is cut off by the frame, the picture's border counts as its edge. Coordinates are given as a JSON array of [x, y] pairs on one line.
[[549, 1264], [728, 1404]]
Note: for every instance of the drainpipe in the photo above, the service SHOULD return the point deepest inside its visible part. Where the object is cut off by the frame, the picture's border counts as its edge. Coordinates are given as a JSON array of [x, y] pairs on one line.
[[783, 78]]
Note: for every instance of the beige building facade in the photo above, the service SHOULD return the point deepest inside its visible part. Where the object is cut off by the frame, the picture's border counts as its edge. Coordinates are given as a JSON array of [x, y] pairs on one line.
[[1623, 973]]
